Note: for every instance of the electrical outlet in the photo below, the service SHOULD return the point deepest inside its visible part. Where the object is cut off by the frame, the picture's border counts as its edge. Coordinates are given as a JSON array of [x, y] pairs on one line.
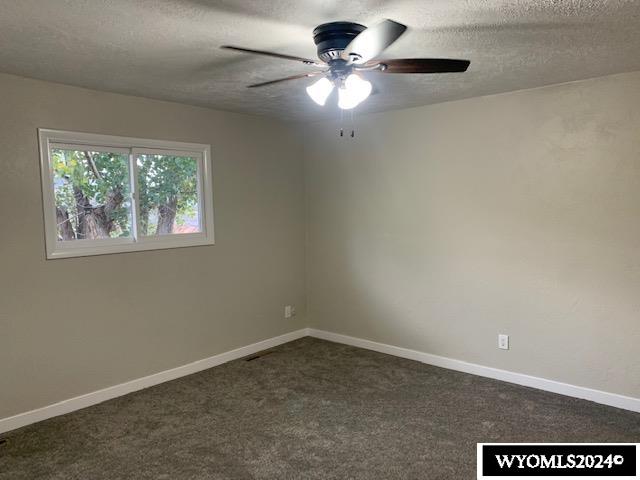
[[289, 311], [503, 341]]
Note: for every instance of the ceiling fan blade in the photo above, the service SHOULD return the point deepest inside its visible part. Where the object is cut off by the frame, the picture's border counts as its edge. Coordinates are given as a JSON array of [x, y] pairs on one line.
[[371, 42], [306, 61], [292, 77], [422, 65]]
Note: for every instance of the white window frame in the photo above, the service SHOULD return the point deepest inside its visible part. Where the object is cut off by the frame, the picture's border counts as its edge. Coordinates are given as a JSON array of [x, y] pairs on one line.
[[131, 147]]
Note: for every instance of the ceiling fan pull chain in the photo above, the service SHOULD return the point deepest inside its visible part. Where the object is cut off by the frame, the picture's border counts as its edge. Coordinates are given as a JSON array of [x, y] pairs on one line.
[[353, 132]]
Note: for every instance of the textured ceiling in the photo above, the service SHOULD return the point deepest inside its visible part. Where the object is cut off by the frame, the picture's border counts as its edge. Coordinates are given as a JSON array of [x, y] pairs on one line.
[[168, 49]]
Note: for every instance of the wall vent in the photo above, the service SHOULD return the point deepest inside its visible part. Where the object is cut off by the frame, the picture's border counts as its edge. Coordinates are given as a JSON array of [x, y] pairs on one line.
[[258, 355]]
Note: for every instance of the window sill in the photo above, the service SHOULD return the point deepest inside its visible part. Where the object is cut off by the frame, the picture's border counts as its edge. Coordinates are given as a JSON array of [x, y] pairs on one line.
[[151, 243]]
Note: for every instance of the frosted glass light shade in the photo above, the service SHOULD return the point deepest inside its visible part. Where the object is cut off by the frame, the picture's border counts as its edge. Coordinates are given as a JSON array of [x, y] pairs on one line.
[[320, 90], [354, 92]]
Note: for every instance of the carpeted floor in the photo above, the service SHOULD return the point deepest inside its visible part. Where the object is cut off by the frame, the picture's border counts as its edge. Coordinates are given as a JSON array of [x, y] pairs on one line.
[[310, 409]]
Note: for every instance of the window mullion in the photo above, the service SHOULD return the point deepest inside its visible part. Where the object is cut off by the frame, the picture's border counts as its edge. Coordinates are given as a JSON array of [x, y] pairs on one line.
[[135, 197]]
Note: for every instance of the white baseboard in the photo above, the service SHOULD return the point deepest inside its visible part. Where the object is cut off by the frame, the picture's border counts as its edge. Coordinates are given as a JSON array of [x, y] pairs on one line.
[[598, 396], [76, 403], [82, 401]]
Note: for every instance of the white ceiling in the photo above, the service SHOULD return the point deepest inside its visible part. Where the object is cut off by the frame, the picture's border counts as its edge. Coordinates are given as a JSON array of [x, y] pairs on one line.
[[168, 49]]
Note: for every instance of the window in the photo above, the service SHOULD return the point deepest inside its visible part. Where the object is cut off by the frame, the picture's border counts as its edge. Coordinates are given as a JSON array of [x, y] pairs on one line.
[[105, 194]]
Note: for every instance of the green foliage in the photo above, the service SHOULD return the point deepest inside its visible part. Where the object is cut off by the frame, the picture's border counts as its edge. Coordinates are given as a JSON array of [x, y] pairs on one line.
[[162, 181], [74, 174]]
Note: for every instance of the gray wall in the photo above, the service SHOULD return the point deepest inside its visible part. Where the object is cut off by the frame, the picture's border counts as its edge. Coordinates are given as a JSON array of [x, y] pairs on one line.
[[68, 327], [439, 227], [436, 228]]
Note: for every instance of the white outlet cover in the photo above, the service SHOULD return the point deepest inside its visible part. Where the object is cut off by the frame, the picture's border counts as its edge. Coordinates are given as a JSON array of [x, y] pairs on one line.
[[503, 341]]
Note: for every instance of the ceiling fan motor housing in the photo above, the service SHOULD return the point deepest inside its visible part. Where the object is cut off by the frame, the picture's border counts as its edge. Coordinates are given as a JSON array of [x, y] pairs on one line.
[[332, 38]]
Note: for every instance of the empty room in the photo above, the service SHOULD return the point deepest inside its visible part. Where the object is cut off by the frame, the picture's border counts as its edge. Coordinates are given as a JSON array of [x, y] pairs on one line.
[[367, 240]]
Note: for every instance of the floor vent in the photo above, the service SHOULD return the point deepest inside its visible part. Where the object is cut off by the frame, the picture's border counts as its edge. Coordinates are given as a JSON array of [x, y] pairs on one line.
[[258, 355]]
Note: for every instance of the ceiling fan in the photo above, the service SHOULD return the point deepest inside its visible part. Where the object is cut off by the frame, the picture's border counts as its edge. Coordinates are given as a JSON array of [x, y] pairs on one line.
[[346, 50]]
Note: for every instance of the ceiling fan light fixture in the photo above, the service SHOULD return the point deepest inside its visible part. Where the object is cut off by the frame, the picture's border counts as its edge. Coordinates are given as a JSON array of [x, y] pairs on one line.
[[354, 91], [346, 49], [320, 90]]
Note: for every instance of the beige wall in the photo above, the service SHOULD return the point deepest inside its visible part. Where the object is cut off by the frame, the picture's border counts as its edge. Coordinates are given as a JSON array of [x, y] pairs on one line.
[[71, 326], [435, 229], [439, 227]]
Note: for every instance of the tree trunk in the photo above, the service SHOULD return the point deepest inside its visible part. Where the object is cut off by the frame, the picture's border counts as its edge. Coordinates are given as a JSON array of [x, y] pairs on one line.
[[96, 222], [167, 216], [94, 225], [114, 200], [144, 221], [65, 229], [82, 207]]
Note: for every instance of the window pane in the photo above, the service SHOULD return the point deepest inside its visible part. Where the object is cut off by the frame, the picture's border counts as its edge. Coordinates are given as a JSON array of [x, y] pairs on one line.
[[168, 193], [92, 194]]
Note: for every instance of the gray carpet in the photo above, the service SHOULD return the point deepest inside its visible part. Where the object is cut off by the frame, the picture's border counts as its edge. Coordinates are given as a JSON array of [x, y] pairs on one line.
[[309, 410]]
